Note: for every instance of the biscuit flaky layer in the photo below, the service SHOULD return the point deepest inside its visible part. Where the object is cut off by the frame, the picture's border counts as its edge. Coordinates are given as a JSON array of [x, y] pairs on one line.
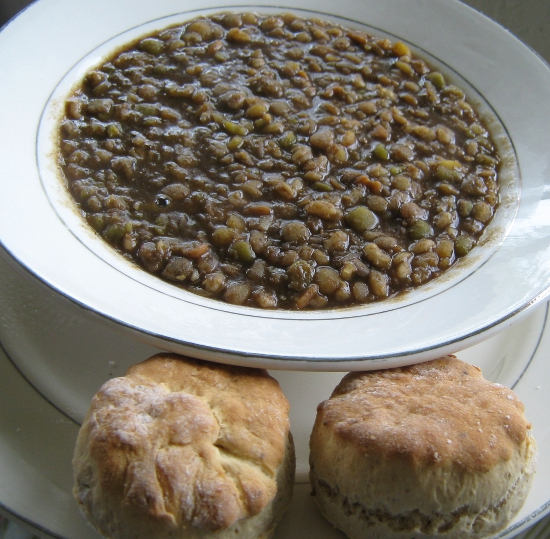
[[185, 448], [432, 449]]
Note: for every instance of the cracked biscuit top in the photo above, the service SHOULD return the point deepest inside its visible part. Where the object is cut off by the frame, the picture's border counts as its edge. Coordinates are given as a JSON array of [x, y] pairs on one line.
[[181, 443], [439, 412], [424, 451]]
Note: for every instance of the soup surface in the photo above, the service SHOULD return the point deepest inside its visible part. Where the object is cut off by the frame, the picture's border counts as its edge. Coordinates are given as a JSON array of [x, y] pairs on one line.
[[279, 162]]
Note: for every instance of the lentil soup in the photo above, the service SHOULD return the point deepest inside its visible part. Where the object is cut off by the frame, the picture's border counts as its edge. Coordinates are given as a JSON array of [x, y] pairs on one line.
[[279, 162]]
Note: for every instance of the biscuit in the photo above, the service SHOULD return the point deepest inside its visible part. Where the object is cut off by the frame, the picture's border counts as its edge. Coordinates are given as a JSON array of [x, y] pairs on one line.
[[429, 450], [185, 449]]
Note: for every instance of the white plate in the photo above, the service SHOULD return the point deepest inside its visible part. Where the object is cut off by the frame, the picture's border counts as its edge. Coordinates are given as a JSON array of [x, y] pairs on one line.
[[452, 314], [37, 439]]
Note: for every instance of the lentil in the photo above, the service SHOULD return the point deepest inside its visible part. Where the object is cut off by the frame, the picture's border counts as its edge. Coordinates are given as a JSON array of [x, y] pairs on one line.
[[279, 162]]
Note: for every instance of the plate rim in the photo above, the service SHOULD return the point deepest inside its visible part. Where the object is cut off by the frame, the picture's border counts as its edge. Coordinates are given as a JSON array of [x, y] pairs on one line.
[[536, 361]]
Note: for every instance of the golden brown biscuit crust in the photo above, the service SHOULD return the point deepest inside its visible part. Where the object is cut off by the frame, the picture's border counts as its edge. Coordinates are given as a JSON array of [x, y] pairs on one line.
[[181, 443], [452, 414], [429, 451]]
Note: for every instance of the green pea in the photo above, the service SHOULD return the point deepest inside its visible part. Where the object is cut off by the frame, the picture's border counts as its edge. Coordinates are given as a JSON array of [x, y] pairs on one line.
[[420, 229], [114, 233], [463, 245], [322, 186], [114, 130], [152, 46], [437, 79], [223, 236], [300, 275], [486, 160], [401, 182], [361, 219], [381, 152], [97, 221], [260, 123], [161, 223], [86, 192], [287, 140], [447, 174], [147, 109], [235, 143], [478, 129], [453, 91], [485, 142], [243, 251], [465, 207], [447, 189], [152, 121], [234, 128], [162, 70]]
